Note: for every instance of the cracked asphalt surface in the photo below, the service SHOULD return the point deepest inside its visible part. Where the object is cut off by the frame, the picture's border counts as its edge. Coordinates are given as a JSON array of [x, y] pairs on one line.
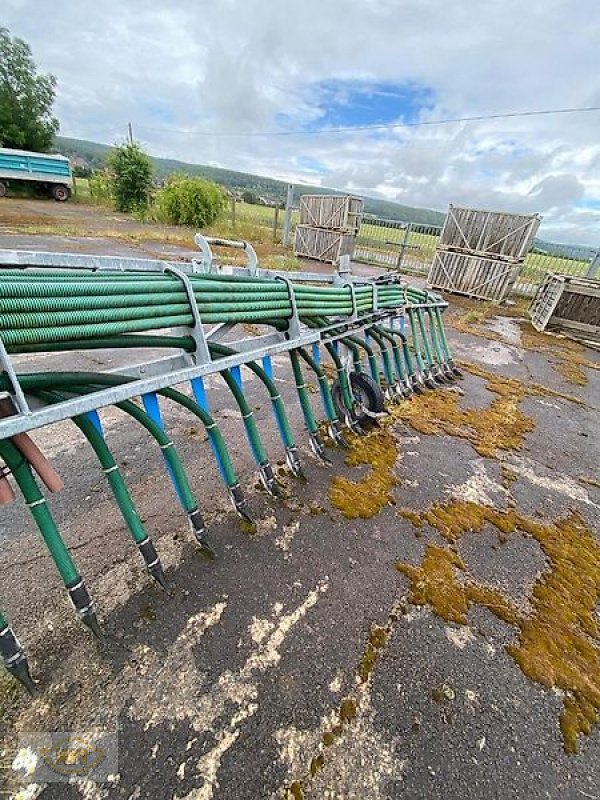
[[226, 686]]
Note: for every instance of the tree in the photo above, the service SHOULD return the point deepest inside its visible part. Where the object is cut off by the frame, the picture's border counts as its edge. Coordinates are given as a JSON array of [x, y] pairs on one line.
[[26, 98], [131, 171], [249, 197]]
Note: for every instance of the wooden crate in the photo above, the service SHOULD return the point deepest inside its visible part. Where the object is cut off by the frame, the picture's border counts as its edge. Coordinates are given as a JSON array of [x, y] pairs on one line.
[[340, 213], [569, 305], [322, 244], [471, 275], [495, 234]]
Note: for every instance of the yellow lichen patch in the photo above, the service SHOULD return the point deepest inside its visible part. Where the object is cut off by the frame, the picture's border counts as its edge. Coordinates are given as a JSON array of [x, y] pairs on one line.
[[557, 642], [365, 498], [500, 426], [295, 791], [458, 516], [507, 386], [377, 640], [434, 583], [411, 516]]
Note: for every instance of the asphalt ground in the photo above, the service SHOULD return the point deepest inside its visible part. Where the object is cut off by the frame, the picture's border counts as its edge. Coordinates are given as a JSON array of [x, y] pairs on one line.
[[296, 664]]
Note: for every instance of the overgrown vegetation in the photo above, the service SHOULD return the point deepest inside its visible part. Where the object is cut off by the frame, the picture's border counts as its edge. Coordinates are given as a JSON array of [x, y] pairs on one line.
[[131, 177]]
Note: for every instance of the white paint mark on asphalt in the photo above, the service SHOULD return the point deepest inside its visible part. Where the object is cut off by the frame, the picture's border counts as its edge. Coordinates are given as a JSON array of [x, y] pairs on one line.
[[546, 403], [508, 328], [208, 707], [494, 353], [259, 629], [557, 482], [460, 637], [336, 684], [479, 488], [284, 541]]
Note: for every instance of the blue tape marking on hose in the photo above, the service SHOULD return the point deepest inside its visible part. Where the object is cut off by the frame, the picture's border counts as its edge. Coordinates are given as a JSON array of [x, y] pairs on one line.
[[94, 418], [200, 396], [152, 407], [268, 366]]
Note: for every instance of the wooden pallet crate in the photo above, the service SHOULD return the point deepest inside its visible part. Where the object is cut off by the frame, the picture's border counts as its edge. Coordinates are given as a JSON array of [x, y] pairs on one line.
[[472, 275], [495, 234], [341, 213], [322, 244], [569, 305]]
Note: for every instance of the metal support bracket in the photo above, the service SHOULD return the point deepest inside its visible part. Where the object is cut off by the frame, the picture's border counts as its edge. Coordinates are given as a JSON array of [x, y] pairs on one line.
[[294, 327], [201, 351]]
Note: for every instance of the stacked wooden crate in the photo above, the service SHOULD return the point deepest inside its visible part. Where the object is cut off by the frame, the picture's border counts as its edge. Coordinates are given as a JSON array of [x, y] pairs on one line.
[[568, 304], [480, 252], [328, 226]]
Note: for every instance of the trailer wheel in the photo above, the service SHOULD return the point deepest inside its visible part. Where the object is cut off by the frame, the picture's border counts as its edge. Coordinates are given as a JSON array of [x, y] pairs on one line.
[[366, 394], [60, 192], [2, 189]]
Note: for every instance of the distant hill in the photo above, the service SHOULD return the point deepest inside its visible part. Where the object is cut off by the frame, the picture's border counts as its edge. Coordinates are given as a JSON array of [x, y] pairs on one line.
[[94, 155]]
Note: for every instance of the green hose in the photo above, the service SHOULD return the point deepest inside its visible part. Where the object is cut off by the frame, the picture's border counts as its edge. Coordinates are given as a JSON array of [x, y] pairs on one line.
[[36, 503]]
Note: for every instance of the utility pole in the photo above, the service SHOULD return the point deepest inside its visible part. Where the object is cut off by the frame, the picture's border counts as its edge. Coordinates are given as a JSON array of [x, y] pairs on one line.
[[287, 220], [130, 133]]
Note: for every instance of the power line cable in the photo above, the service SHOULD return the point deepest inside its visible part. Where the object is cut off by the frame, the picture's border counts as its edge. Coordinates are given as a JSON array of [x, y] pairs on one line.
[[376, 127]]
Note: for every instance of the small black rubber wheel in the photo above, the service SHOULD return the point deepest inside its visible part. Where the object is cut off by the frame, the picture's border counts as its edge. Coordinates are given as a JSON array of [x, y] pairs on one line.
[[2, 189], [60, 192], [366, 393]]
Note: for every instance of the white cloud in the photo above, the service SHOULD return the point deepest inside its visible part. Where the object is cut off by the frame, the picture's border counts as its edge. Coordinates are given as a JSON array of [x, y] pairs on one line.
[[244, 65]]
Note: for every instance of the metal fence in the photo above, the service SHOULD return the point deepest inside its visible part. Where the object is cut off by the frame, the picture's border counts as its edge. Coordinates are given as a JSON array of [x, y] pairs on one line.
[[397, 245], [566, 260], [410, 247]]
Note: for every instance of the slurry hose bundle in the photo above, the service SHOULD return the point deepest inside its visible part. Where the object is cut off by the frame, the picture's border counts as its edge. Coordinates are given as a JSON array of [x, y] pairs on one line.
[[57, 310]]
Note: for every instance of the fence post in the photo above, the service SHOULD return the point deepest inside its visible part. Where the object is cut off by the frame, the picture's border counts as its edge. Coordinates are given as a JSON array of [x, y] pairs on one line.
[[594, 265], [275, 222], [287, 220], [233, 212], [404, 244]]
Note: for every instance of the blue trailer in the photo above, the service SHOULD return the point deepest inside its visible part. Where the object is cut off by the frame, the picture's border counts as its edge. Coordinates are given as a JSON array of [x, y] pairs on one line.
[[49, 172]]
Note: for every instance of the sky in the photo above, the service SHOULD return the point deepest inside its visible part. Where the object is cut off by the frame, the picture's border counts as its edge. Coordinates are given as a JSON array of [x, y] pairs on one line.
[[189, 73]]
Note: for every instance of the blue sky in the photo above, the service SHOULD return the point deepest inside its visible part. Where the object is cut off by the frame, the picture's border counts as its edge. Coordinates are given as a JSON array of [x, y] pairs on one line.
[[250, 67], [344, 103]]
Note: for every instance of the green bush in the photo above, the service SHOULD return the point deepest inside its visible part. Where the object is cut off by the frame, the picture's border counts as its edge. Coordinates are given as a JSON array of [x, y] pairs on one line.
[[131, 177], [100, 187], [195, 202]]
